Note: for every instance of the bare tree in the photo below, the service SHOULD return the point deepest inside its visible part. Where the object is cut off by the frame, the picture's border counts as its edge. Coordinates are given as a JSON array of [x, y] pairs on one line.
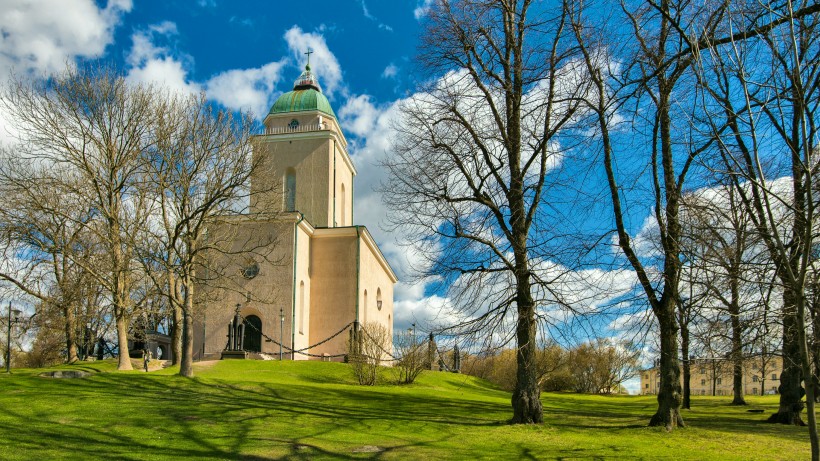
[[724, 249], [199, 171], [412, 357], [654, 74], [93, 127], [474, 159], [42, 241], [366, 351], [760, 110]]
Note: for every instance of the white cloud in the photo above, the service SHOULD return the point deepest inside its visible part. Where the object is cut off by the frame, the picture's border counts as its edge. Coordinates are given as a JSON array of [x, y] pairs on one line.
[[390, 71], [42, 37], [422, 8], [246, 89], [323, 62], [45, 35], [150, 63]]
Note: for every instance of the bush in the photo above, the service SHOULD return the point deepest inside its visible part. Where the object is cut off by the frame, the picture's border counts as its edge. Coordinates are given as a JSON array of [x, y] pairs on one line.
[[366, 350]]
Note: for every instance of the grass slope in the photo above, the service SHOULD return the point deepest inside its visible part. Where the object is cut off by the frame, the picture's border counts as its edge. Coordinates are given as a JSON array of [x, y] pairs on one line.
[[258, 410]]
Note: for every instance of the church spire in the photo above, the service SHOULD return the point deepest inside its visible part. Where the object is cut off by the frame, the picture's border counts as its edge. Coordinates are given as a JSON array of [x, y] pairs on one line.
[[307, 79]]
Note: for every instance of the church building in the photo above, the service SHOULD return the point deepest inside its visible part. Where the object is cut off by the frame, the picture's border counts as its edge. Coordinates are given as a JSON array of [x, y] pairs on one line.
[[323, 272]]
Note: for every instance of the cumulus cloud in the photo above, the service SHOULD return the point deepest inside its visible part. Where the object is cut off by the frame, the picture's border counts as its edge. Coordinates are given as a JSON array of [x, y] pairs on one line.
[[151, 63], [45, 35], [323, 62], [390, 71], [422, 8], [246, 89]]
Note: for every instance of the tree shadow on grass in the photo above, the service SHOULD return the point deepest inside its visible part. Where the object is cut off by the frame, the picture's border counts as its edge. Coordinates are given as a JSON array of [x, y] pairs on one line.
[[202, 419]]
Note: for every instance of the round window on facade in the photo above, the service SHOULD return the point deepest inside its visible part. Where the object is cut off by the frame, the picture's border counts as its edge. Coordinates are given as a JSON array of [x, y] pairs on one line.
[[250, 270], [294, 124]]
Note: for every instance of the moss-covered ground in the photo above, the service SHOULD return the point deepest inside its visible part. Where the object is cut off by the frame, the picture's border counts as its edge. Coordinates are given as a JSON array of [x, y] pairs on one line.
[[257, 410]]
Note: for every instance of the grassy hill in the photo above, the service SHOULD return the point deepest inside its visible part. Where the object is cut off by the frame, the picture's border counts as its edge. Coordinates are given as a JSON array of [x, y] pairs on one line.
[[257, 410]]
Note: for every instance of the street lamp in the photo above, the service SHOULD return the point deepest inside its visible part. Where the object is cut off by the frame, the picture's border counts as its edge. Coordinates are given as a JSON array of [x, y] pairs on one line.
[[16, 314], [281, 330]]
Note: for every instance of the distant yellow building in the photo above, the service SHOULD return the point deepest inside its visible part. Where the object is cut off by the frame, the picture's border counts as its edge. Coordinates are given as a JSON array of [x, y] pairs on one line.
[[322, 272], [761, 375]]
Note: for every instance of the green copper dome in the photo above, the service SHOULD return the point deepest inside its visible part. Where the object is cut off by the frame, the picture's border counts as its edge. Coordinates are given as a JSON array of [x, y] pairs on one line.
[[306, 96], [299, 100]]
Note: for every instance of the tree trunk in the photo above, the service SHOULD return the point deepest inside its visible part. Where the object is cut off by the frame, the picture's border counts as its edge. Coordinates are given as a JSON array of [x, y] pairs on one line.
[[791, 392], [176, 334], [669, 393], [71, 334], [175, 298], [124, 360], [526, 398], [815, 347], [737, 342], [687, 366], [186, 365]]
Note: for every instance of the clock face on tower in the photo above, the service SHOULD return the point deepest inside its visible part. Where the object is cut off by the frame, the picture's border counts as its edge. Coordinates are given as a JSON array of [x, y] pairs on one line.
[[294, 124]]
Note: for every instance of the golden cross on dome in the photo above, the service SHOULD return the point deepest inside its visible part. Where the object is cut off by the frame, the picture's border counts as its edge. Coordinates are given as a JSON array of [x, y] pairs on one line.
[[309, 52]]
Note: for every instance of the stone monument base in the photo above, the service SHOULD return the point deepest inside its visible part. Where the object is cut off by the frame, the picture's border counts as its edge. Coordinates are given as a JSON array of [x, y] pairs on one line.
[[234, 355]]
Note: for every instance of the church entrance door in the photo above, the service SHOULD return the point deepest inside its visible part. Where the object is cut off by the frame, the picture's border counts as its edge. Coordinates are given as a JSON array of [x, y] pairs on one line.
[[253, 334]]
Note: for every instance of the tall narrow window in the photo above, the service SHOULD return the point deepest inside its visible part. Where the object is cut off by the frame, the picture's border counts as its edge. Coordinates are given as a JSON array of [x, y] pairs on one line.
[[364, 307], [344, 211], [290, 190], [302, 308], [379, 298]]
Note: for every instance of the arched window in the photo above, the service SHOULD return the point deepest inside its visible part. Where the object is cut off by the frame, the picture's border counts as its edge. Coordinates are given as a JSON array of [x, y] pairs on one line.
[[379, 298], [344, 211], [290, 190], [302, 308], [364, 307]]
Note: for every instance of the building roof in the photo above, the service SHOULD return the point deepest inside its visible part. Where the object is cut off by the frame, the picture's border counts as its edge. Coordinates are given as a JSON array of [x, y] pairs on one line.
[[306, 96]]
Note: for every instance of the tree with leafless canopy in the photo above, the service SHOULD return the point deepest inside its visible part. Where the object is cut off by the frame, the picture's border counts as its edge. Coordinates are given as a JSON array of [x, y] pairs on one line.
[[474, 158]]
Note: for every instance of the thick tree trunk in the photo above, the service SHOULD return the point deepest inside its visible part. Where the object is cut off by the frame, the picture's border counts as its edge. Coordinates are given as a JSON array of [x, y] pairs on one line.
[[176, 334], [790, 389], [186, 365], [176, 320], [71, 334], [526, 398], [124, 360], [669, 393]]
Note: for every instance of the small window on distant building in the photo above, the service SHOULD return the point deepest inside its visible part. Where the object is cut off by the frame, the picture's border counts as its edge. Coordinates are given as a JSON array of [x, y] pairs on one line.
[[754, 366], [702, 382], [719, 381], [754, 379], [754, 391], [702, 370], [774, 376], [647, 385]]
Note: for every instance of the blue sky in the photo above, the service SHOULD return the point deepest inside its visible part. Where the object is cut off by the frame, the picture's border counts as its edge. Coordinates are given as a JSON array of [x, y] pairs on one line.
[[243, 54]]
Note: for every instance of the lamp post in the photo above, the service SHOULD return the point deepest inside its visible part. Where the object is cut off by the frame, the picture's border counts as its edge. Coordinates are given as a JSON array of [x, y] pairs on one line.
[[281, 330], [8, 336]]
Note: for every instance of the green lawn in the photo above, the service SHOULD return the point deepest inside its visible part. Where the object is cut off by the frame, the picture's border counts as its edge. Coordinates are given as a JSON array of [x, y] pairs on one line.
[[258, 410]]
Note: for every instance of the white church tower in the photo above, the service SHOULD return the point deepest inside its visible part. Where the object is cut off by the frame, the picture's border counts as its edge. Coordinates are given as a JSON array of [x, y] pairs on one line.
[[315, 272]]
